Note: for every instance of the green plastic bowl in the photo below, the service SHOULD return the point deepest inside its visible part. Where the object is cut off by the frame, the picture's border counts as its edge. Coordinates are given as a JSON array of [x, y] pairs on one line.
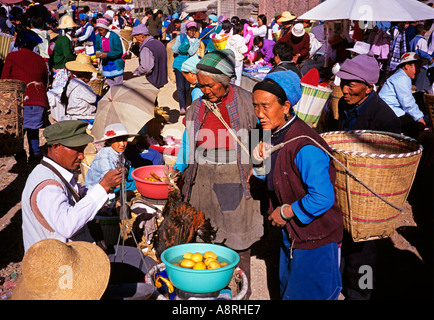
[[199, 281]]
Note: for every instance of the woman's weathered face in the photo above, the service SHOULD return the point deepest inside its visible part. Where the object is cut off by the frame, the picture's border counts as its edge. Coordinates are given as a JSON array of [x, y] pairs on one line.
[[268, 110], [102, 31], [214, 91]]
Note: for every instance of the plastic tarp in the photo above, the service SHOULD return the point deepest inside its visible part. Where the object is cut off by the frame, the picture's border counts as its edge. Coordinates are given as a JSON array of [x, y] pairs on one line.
[[370, 10]]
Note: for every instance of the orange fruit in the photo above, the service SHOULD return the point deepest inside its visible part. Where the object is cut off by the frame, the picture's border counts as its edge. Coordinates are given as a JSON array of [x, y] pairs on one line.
[[199, 266], [187, 255], [210, 254], [213, 265], [197, 257], [187, 263]]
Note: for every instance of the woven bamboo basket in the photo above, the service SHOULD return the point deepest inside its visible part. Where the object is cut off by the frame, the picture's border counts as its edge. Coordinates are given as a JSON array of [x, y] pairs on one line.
[[312, 102], [382, 168], [5, 43], [97, 84], [11, 116], [335, 96], [429, 102]]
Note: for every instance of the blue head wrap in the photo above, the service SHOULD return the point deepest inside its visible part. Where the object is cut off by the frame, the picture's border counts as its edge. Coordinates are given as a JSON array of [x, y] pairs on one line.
[[83, 17], [289, 81]]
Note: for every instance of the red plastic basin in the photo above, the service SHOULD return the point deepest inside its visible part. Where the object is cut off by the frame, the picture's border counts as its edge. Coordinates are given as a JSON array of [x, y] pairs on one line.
[[150, 189]]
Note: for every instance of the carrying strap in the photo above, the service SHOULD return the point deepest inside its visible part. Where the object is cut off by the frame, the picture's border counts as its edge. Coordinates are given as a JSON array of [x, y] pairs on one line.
[[66, 183], [34, 205]]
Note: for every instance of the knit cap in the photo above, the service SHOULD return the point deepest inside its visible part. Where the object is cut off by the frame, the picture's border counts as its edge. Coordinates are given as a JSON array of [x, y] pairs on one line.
[[218, 62], [289, 81], [191, 24], [363, 67], [140, 29]]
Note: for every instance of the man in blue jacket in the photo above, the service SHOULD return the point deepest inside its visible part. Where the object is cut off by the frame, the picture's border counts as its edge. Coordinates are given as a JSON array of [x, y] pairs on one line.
[[396, 92]]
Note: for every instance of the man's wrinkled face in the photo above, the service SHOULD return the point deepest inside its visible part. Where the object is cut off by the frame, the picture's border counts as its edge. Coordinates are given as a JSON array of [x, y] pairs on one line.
[[355, 92], [67, 157]]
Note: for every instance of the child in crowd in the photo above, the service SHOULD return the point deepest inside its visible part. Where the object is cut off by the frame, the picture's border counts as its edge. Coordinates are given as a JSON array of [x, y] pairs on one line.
[[78, 97], [237, 44]]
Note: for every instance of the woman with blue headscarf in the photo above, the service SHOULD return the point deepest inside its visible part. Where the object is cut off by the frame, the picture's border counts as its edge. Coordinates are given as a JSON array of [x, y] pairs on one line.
[[299, 178]]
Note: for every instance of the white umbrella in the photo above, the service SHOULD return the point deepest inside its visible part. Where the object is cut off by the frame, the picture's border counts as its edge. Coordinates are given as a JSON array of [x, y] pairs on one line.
[[370, 10]]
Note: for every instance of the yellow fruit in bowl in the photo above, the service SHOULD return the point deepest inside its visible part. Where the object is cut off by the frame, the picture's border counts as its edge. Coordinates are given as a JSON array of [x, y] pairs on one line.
[[208, 260], [187, 255], [213, 265], [223, 264], [210, 254], [197, 257], [187, 263], [199, 266]]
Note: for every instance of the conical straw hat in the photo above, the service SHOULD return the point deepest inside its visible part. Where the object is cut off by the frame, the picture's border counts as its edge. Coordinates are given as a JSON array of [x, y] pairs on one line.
[[53, 270], [66, 22], [82, 62]]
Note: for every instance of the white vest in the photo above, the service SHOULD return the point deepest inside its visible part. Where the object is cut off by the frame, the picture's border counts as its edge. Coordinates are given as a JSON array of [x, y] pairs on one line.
[[33, 231]]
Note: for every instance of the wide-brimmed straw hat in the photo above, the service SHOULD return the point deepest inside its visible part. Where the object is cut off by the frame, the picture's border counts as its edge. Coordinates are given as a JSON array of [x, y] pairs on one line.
[[286, 16], [115, 130], [82, 63], [53, 270], [66, 22]]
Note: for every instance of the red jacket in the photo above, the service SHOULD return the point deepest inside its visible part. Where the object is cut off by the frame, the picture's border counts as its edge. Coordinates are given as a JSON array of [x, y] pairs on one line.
[[28, 66], [299, 45]]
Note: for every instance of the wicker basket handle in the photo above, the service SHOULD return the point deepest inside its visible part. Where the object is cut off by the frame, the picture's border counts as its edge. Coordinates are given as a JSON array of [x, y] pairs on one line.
[[281, 145]]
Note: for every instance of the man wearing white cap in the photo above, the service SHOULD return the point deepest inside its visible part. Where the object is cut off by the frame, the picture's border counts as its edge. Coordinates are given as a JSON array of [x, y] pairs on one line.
[[300, 42], [396, 92]]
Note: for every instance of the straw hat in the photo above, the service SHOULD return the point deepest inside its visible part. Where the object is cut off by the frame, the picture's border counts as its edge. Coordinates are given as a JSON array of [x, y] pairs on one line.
[[115, 130], [53, 270], [66, 22], [82, 63], [52, 34], [286, 16]]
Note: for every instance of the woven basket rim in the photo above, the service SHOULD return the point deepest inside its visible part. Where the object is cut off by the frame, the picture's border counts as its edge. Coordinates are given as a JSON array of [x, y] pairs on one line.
[[320, 88], [375, 155]]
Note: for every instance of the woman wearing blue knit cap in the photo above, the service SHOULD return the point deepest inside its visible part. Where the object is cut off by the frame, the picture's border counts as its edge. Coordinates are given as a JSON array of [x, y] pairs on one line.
[[299, 178]]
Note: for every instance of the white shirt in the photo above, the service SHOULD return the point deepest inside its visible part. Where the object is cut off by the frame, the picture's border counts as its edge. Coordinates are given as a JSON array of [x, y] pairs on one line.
[[67, 218], [60, 215]]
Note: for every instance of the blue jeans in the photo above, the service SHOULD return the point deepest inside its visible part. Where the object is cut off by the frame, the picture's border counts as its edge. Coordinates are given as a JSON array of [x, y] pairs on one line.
[[183, 89], [33, 139], [33, 119]]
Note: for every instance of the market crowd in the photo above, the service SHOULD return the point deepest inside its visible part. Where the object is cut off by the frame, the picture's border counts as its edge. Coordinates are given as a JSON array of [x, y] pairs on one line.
[[382, 69]]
